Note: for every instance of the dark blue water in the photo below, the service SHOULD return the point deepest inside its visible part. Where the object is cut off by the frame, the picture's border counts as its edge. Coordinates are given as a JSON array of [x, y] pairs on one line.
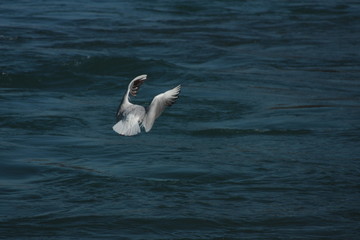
[[263, 143]]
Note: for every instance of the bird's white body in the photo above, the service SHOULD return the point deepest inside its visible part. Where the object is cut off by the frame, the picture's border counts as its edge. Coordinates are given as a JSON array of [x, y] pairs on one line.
[[132, 117]]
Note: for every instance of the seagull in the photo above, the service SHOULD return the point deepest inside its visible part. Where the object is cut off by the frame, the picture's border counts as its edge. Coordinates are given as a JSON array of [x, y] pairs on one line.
[[131, 117]]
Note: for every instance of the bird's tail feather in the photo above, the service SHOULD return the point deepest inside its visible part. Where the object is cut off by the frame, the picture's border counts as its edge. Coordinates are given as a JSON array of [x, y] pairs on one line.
[[128, 126]]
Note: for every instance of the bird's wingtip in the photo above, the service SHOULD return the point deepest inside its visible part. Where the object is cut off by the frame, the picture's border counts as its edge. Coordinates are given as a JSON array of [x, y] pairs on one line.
[[141, 77]]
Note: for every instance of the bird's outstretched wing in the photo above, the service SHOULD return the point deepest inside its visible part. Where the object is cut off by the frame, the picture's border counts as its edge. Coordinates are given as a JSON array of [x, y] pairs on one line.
[[135, 84], [133, 88], [158, 105]]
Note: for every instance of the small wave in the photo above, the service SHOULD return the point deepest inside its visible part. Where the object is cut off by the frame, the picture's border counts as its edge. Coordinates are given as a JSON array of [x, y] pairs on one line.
[[221, 132], [116, 65], [17, 171], [302, 107], [10, 38], [42, 123], [63, 165], [157, 224], [85, 72]]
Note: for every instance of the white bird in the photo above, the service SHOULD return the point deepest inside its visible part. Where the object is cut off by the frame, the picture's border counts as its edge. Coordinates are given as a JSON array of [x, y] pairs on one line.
[[131, 117]]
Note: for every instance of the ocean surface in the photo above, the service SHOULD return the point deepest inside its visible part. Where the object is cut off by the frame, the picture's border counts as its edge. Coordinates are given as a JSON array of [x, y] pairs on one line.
[[263, 143]]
